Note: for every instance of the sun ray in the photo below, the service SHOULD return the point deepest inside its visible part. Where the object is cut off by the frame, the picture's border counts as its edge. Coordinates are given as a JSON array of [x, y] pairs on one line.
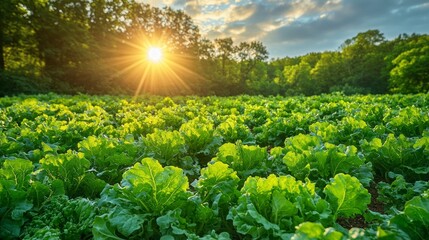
[[150, 65], [141, 82]]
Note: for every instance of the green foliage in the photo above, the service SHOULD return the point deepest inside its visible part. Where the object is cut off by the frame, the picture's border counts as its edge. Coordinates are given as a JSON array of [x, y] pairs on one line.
[[246, 160], [157, 189], [347, 196], [273, 206], [410, 121], [16, 82], [17, 171], [109, 157], [308, 157], [233, 129], [14, 205], [199, 136], [409, 73], [54, 150], [146, 192], [165, 146], [72, 170], [62, 218], [414, 220], [397, 192], [14, 180], [86, 46], [277, 129], [397, 154], [310, 230], [218, 184]]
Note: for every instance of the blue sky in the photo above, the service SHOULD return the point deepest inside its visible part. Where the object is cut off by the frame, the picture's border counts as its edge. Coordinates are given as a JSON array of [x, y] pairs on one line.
[[297, 27]]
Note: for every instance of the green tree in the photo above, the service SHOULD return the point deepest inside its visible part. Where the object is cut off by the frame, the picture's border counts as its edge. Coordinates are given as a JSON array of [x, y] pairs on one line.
[[249, 54], [225, 74], [363, 61], [260, 83], [173, 29], [327, 71], [410, 72], [20, 67], [298, 78], [108, 21], [8, 12], [207, 66], [63, 40], [311, 58]]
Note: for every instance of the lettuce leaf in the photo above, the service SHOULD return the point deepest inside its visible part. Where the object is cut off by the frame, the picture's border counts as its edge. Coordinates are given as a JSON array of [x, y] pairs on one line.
[[402, 155], [347, 196], [14, 202], [109, 157], [17, 170], [146, 192], [246, 160], [308, 157], [165, 146], [155, 188], [233, 129], [71, 168], [13, 206], [414, 220], [199, 136], [273, 206], [310, 230], [218, 184], [62, 217]]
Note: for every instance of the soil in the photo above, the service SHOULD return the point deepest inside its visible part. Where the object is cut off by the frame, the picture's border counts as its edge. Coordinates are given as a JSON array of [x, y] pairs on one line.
[[375, 205], [359, 221]]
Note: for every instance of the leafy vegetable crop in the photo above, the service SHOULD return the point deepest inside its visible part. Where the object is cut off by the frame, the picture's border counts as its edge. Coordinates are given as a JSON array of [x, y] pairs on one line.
[[244, 167]]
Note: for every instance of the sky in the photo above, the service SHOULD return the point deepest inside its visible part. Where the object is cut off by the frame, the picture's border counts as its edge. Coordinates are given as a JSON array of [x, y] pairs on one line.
[[297, 27]]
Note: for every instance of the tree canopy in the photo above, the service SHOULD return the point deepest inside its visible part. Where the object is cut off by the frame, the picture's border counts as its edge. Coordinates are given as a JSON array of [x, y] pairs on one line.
[[98, 46]]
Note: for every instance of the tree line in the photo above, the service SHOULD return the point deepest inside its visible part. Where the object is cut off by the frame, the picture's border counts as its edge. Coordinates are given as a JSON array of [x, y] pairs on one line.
[[97, 46], [366, 63]]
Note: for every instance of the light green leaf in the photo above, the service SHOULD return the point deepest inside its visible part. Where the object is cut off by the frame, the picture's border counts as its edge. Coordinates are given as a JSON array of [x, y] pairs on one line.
[[70, 167], [246, 160], [309, 230], [102, 229], [125, 222], [165, 146], [17, 170], [155, 188], [218, 178], [347, 196], [281, 207]]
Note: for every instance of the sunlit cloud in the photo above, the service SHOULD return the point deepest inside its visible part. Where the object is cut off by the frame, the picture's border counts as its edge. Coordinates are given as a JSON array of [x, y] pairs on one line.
[[295, 27]]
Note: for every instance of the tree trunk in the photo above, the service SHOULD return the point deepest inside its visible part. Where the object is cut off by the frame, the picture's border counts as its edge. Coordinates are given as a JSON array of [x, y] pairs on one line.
[[2, 42], [2, 62]]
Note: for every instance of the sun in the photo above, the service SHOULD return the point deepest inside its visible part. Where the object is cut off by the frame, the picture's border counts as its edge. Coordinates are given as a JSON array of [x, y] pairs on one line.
[[154, 54]]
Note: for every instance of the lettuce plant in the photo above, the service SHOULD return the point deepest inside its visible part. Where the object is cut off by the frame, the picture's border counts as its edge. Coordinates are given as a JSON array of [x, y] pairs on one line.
[[273, 206], [347, 196], [246, 160], [14, 199], [306, 156], [165, 146], [146, 192]]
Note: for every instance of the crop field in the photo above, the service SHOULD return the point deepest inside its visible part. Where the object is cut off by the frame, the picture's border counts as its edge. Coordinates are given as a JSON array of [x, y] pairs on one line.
[[245, 167]]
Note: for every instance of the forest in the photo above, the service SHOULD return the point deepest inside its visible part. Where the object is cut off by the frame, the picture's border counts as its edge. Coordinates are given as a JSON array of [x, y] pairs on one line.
[[98, 47]]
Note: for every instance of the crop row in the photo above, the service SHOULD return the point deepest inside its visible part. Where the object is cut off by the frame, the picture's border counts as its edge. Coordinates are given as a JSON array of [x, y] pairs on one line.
[[105, 167]]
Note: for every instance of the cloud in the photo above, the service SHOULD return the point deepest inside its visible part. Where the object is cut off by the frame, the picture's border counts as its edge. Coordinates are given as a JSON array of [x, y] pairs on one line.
[[296, 27], [327, 28]]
